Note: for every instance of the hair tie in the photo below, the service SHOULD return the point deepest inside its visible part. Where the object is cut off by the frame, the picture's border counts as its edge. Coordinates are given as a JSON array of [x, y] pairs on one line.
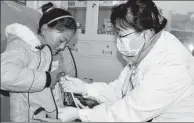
[[50, 9]]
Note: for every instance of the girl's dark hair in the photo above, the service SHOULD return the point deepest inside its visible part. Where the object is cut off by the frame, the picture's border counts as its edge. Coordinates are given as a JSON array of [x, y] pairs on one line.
[[53, 13], [138, 14]]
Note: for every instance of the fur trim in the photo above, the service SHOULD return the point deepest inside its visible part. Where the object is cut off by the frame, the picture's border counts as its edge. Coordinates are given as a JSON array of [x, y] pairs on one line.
[[192, 16], [24, 33]]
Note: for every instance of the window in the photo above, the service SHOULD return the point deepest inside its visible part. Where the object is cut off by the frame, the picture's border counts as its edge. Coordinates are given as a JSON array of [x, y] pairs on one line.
[[21, 2]]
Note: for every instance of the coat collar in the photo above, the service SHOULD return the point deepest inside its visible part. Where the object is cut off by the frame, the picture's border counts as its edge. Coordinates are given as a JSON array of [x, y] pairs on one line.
[[25, 33]]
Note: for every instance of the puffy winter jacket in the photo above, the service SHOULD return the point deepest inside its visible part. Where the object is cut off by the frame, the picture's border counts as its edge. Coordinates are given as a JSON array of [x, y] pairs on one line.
[[23, 69]]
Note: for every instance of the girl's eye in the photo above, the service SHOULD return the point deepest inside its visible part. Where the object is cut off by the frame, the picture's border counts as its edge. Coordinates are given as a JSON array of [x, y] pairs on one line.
[[61, 41]]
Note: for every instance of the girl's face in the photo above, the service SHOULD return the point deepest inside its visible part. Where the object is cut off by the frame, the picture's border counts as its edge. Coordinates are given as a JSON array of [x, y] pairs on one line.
[[56, 39]]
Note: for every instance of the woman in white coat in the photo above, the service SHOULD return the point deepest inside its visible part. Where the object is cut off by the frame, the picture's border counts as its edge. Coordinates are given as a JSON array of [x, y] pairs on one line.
[[158, 82]]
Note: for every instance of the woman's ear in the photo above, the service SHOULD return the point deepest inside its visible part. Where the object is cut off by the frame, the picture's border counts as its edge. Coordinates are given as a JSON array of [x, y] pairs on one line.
[[147, 34]]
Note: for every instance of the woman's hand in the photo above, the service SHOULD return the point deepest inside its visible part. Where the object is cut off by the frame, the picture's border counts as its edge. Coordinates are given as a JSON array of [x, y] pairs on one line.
[[74, 85], [68, 114]]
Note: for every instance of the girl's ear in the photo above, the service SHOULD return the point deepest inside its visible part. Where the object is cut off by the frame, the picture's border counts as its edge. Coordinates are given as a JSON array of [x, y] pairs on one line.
[[44, 29]]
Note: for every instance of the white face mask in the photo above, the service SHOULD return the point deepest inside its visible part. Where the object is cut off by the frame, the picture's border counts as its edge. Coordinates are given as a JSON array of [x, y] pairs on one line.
[[130, 46]]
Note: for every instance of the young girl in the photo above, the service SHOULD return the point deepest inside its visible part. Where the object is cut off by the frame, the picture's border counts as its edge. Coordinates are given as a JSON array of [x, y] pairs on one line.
[[30, 64]]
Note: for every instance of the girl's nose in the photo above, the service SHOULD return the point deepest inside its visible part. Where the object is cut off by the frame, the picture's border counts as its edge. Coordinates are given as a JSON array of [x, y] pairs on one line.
[[62, 46]]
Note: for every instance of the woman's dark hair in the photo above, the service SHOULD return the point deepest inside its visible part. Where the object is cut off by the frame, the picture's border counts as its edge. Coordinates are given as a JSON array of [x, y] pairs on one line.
[[50, 13], [138, 14]]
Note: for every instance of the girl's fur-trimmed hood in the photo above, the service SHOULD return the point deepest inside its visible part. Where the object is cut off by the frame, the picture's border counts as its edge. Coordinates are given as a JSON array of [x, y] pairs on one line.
[[25, 33]]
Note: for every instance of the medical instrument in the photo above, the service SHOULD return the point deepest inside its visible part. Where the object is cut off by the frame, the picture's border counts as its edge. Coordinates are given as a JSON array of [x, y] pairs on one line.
[[63, 78]]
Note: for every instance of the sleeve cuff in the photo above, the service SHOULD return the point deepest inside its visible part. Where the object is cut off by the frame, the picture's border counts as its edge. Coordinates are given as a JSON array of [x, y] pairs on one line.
[[48, 79], [90, 92], [84, 114]]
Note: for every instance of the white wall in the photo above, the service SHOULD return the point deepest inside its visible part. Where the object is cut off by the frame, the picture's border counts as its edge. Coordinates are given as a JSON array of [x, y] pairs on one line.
[[181, 7]]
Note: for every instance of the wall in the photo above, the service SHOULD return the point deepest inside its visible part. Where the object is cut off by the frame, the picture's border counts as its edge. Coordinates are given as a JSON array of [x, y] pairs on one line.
[[166, 6], [186, 6]]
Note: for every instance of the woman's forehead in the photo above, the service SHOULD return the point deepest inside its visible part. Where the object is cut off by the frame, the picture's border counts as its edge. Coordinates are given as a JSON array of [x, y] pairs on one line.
[[119, 29], [122, 25]]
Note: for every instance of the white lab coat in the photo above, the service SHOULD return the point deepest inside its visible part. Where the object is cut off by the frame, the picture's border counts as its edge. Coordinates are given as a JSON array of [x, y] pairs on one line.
[[163, 88]]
